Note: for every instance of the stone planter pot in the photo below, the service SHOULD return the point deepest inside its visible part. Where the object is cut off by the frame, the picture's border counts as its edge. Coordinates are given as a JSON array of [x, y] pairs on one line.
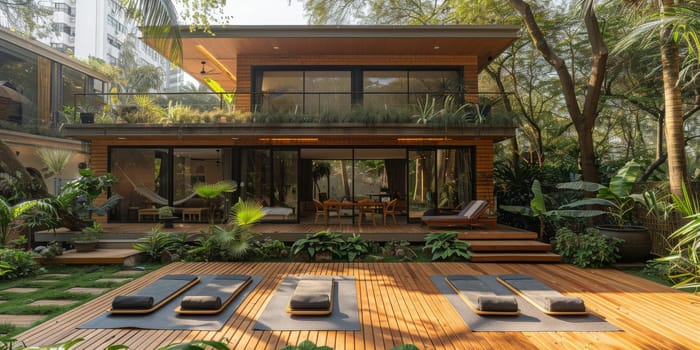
[[85, 246], [168, 221], [637, 241]]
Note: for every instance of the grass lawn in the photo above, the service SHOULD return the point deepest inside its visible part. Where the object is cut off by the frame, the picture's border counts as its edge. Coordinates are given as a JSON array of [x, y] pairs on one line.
[[52, 297]]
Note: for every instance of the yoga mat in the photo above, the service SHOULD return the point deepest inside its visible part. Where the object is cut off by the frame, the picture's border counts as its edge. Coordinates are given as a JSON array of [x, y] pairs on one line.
[[345, 316], [166, 318], [530, 319]]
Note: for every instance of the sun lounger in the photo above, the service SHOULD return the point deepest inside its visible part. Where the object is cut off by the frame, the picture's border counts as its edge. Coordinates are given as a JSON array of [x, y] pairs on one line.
[[215, 296], [543, 297], [313, 296], [470, 215], [481, 299], [153, 296]]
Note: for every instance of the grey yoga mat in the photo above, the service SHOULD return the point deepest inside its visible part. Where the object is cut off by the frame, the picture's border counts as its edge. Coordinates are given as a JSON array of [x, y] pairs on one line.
[[530, 319], [166, 318], [345, 315]]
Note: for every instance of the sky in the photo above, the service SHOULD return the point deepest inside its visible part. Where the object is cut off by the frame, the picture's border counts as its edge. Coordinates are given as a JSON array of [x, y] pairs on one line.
[[251, 12]]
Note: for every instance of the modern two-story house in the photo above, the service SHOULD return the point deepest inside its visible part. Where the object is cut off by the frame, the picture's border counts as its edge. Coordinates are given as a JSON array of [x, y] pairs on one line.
[[310, 112]]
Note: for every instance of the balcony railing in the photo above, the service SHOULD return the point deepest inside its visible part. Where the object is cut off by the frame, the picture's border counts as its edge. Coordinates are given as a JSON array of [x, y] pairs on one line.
[[289, 107]]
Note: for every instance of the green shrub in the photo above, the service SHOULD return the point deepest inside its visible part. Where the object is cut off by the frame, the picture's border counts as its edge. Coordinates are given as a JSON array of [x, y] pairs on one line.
[[588, 249], [354, 247], [16, 263], [399, 249], [446, 246], [319, 242], [271, 249], [155, 243]]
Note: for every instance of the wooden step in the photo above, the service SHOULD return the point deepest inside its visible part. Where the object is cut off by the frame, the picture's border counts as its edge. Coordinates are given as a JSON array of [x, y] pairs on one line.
[[126, 257], [496, 235], [513, 245], [516, 257]]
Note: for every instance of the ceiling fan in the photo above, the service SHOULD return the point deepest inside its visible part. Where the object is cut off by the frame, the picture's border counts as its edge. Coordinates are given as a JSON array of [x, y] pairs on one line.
[[204, 70]]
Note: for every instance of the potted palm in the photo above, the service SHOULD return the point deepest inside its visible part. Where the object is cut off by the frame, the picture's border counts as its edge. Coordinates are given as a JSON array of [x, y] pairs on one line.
[[620, 202], [166, 216]]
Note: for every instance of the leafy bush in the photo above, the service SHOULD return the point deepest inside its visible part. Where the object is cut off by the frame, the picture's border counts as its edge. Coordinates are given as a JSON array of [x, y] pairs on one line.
[[319, 242], [271, 249], [155, 243], [399, 249], [588, 249], [354, 247], [16, 263], [446, 246]]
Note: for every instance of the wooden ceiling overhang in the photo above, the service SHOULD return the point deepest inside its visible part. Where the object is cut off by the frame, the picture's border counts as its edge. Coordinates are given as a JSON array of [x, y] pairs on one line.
[[222, 50], [285, 135]]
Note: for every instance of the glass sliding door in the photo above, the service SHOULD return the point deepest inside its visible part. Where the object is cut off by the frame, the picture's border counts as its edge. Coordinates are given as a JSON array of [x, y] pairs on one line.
[[285, 195], [327, 92], [256, 176], [144, 175], [421, 182]]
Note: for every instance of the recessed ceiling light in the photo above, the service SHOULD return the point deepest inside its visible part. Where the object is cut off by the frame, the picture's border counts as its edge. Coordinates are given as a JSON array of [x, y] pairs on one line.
[[436, 47], [121, 138], [275, 47]]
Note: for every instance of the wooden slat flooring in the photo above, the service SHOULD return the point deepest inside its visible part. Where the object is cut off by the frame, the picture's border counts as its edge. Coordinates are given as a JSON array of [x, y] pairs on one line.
[[399, 304]]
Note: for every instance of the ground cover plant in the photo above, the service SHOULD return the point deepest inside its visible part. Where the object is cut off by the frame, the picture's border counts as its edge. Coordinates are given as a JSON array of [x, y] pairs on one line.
[[78, 276], [587, 249]]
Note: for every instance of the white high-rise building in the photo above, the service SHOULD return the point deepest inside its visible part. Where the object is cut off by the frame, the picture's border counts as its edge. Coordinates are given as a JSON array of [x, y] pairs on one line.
[[98, 28]]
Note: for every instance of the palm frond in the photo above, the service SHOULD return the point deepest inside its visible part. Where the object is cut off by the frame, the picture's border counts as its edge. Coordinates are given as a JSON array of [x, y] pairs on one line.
[[158, 20]]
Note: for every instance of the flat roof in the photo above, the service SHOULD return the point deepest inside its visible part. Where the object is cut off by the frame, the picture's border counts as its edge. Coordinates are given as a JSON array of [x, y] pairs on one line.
[[222, 50]]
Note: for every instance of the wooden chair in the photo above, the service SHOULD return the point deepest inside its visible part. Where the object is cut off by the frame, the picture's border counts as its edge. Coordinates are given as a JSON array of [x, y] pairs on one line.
[[320, 211], [391, 209], [366, 211]]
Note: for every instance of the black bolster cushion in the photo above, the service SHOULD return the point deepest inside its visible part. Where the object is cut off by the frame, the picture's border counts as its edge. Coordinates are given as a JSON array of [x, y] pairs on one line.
[[497, 303], [132, 302], [201, 302], [312, 294], [564, 304]]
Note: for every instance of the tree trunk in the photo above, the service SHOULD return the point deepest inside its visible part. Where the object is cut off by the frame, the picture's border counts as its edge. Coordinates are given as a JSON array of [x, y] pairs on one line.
[[675, 139], [583, 120]]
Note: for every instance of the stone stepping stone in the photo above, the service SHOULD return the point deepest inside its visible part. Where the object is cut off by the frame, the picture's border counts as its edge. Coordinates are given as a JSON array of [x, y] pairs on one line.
[[45, 281], [20, 320], [113, 280], [47, 302], [87, 290], [21, 290], [128, 273], [55, 275], [2, 301]]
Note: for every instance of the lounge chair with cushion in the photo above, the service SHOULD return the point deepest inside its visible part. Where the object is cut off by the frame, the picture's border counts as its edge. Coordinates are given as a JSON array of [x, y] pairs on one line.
[[543, 297], [481, 299], [470, 215], [312, 296], [153, 296], [215, 296]]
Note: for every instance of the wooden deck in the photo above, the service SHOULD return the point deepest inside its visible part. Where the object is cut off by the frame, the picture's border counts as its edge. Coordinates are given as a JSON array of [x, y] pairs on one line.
[[399, 304]]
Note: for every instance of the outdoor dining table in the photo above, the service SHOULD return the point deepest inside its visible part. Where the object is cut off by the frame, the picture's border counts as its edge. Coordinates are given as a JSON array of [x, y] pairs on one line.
[[338, 206]]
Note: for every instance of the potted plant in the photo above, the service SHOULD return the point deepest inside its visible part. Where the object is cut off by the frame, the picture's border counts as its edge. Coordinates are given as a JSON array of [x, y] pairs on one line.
[[88, 238], [166, 216], [87, 113], [620, 202]]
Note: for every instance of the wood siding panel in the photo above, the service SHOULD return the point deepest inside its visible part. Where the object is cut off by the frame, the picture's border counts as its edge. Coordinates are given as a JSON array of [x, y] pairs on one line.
[[43, 94]]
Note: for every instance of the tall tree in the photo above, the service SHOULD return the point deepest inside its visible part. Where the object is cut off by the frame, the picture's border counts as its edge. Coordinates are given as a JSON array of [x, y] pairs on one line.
[[673, 105], [583, 116]]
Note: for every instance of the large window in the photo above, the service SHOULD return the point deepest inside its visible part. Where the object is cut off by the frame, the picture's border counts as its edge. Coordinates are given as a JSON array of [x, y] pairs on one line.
[[306, 91], [18, 73]]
